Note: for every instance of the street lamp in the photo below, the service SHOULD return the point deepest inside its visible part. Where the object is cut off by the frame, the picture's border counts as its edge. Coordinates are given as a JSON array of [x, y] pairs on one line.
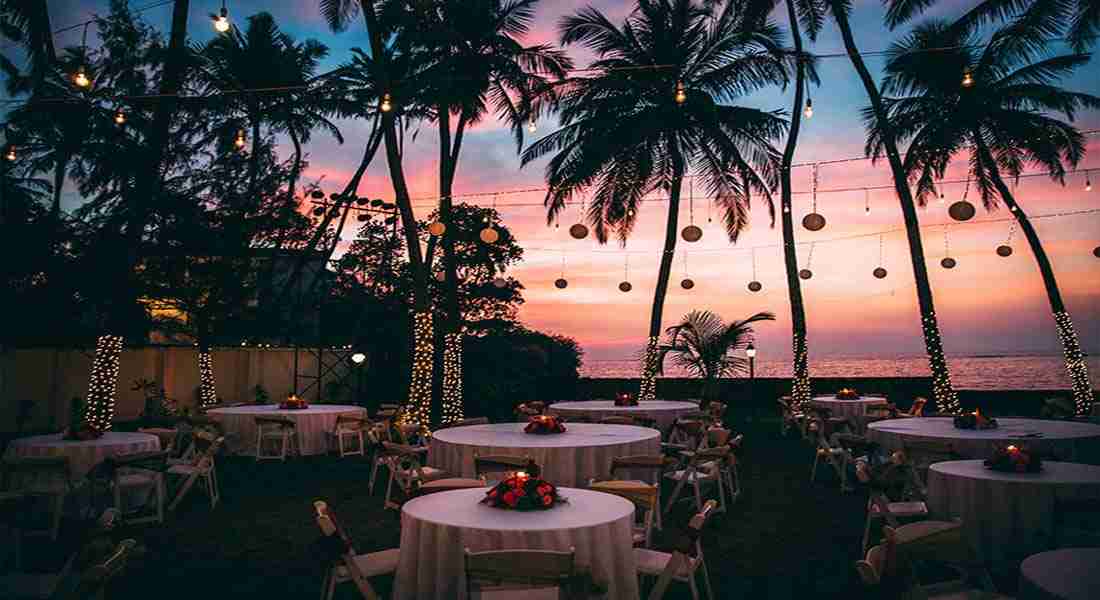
[[358, 358]]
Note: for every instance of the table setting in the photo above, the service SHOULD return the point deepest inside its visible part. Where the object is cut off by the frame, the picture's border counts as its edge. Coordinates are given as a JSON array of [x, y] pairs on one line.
[[1066, 440], [313, 423], [664, 412]]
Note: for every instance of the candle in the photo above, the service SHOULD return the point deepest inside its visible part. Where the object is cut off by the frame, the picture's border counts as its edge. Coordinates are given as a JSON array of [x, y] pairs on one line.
[[1012, 449], [521, 475]]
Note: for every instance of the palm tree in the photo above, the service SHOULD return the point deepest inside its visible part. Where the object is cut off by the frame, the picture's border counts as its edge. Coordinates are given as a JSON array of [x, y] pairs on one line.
[[1079, 19], [943, 392], [28, 25], [471, 63], [704, 345], [1002, 117], [656, 108]]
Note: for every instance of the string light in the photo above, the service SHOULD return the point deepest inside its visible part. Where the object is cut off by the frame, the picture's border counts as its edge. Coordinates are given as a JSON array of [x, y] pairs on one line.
[[754, 285], [647, 392], [1075, 364], [103, 383], [687, 283], [387, 103], [947, 401], [962, 210], [419, 405], [221, 22], [880, 271], [681, 94], [80, 78], [814, 221], [808, 112], [452, 378], [207, 393], [691, 233], [239, 141], [10, 154], [968, 79], [120, 117], [800, 388]]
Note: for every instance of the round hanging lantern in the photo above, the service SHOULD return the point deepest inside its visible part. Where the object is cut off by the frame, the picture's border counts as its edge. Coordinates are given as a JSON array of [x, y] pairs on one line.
[[880, 273], [437, 228], [319, 212], [363, 217], [489, 235], [317, 195], [961, 211], [948, 263], [440, 276], [1096, 252], [1004, 250], [813, 222], [561, 283], [687, 283], [625, 286], [579, 231], [691, 233], [755, 286], [500, 282], [805, 274]]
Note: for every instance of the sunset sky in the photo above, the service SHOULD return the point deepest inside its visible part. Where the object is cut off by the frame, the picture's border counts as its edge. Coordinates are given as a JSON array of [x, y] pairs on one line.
[[986, 305]]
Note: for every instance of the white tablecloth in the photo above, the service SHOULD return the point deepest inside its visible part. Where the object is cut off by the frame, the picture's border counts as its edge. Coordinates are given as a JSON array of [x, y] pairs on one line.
[[314, 424], [847, 408], [583, 452], [665, 412], [1067, 574], [1066, 440], [84, 455], [436, 529], [1006, 515]]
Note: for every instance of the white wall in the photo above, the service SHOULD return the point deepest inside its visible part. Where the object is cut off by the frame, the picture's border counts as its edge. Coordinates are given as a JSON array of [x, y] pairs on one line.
[[51, 378]]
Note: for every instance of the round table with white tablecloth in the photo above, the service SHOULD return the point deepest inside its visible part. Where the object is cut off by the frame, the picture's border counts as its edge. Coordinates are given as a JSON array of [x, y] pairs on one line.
[[664, 412], [436, 529], [83, 455], [848, 409], [1066, 440], [314, 425], [1006, 515], [583, 452], [1066, 574]]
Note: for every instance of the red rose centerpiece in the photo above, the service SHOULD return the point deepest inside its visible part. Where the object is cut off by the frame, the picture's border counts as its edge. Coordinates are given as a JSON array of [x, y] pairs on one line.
[[523, 491], [975, 420], [625, 399], [847, 394], [1014, 459], [293, 402], [544, 425]]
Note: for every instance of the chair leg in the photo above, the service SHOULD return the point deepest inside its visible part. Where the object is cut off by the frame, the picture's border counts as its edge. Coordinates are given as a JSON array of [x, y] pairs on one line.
[[693, 586], [684, 475], [866, 535], [813, 471], [58, 508], [698, 493], [373, 476], [389, 488], [706, 580]]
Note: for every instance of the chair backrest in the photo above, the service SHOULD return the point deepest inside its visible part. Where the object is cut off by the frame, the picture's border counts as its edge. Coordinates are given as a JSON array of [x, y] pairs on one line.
[[917, 409], [350, 423], [498, 463], [206, 457], [719, 453], [618, 420], [340, 545], [653, 464], [520, 569], [716, 436], [449, 485], [277, 423], [24, 471], [166, 436], [689, 544], [643, 495]]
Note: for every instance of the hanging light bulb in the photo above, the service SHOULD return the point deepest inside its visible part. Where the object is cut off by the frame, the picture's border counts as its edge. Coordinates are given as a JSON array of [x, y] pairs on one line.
[[755, 286], [221, 22], [579, 231], [805, 274], [10, 154], [561, 283], [692, 233], [387, 102], [531, 126], [968, 79], [1088, 182], [879, 273], [948, 262], [681, 95], [625, 287], [962, 210], [80, 78], [120, 117], [1004, 250], [809, 110], [687, 283], [239, 141]]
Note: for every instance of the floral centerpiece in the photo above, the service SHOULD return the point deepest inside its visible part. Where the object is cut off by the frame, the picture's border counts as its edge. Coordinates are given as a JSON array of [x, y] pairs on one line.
[[293, 402], [544, 425], [80, 429], [625, 399], [975, 420], [523, 491], [847, 394], [1013, 459]]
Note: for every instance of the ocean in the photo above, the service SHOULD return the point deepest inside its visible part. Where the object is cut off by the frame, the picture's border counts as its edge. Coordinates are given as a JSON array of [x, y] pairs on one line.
[[967, 372]]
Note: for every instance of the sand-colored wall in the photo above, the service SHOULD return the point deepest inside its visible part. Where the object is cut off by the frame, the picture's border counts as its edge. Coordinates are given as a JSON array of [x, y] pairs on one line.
[[52, 377]]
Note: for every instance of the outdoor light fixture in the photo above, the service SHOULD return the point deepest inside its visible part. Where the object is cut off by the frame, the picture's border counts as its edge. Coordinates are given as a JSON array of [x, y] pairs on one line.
[[80, 78], [10, 155], [531, 126], [809, 110], [221, 22], [681, 95], [750, 351], [120, 117], [968, 79], [358, 358], [1088, 182], [387, 102], [239, 140]]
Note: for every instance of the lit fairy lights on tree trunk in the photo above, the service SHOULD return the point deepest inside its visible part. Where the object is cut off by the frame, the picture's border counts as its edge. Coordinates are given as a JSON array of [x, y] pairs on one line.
[[207, 394], [419, 407], [1075, 364], [452, 378], [800, 388], [103, 384], [648, 389], [947, 401]]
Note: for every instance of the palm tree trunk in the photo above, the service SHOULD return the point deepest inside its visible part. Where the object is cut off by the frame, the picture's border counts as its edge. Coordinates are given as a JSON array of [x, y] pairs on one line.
[[254, 160], [450, 401], [296, 170], [1071, 348], [800, 381], [420, 383], [648, 389], [208, 395], [946, 399]]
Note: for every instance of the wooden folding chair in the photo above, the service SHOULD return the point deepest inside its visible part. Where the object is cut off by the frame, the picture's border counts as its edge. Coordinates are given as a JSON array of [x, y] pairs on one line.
[[500, 465], [652, 467], [347, 564], [449, 484], [530, 574], [646, 499], [350, 428], [682, 563], [880, 509], [700, 469], [284, 432], [407, 470], [143, 470], [46, 477], [202, 467]]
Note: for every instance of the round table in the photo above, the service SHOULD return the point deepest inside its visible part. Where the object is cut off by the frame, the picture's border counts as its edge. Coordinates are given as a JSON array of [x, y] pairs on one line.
[[83, 454], [848, 408], [665, 412], [1006, 515], [313, 425], [1066, 440], [436, 529], [583, 452], [1067, 574]]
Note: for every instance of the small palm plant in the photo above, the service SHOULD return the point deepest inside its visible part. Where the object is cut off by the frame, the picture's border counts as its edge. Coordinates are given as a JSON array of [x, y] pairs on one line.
[[704, 345]]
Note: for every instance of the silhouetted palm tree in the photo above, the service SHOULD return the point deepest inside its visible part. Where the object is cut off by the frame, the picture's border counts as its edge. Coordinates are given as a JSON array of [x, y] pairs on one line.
[[28, 25], [1078, 19], [942, 390], [704, 345], [1002, 120], [655, 108]]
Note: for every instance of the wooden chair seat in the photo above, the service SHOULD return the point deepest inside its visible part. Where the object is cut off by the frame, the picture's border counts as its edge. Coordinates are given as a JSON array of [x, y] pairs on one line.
[[372, 564], [654, 562], [450, 483], [904, 509]]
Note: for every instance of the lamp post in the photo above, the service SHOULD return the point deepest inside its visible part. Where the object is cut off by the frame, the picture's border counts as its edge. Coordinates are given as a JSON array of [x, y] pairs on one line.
[[750, 351]]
